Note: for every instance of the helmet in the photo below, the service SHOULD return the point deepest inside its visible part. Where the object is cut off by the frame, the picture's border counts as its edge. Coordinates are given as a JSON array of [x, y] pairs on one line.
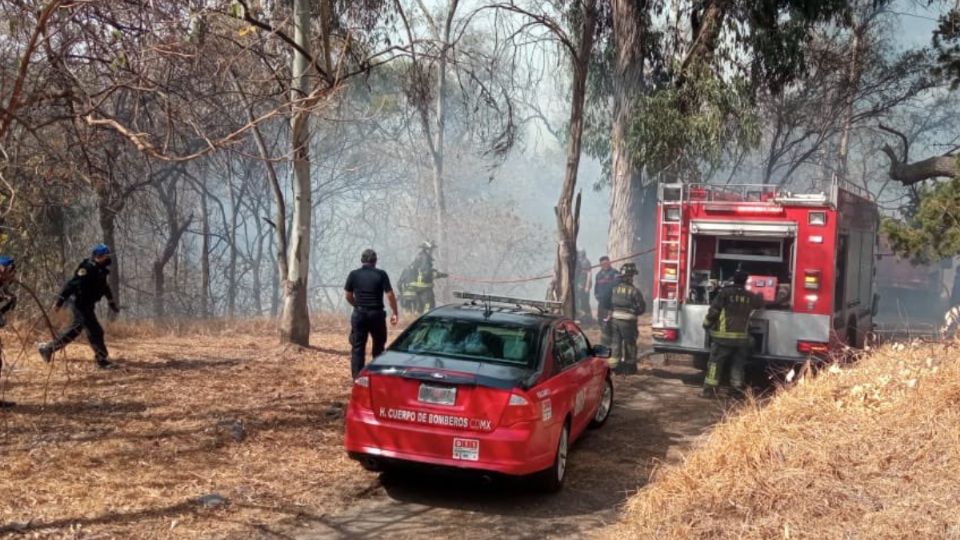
[[101, 249], [368, 256], [7, 262], [628, 269], [428, 244], [740, 277]]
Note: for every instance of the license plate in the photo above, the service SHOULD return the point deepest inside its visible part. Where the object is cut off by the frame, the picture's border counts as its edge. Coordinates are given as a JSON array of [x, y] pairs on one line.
[[438, 395], [466, 449]]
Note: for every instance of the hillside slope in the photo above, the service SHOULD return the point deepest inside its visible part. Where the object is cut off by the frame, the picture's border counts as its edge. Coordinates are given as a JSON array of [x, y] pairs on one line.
[[870, 451]]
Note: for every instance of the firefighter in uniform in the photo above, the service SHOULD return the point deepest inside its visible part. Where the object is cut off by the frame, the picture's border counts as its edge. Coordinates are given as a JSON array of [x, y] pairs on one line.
[[627, 304], [728, 321], [87, 286], [8, 301], [416, 282], [365, 289], [604, 283]]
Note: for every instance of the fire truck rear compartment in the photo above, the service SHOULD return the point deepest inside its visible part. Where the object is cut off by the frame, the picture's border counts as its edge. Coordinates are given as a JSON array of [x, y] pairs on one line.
[[768, 261]]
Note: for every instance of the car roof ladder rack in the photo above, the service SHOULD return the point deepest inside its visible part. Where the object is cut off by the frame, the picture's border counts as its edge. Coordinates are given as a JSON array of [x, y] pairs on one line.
[[543, 306]]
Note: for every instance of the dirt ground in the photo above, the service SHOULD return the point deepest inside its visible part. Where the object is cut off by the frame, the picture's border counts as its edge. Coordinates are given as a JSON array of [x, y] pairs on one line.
[[127, 453]]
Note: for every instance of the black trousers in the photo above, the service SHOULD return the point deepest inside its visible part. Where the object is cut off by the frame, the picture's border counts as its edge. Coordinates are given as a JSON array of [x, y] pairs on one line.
[[364, 323], [84, 320]]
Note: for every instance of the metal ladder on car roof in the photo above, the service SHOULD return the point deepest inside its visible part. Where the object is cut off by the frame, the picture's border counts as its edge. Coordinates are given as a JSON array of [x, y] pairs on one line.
[[669, 269]]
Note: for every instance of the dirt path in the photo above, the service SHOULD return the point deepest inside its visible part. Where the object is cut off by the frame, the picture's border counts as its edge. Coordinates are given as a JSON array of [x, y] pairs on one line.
[[129, 452], [657, 414]]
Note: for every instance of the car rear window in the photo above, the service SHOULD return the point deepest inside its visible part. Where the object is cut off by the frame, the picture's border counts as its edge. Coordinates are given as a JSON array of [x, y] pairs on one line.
[[475, 340]]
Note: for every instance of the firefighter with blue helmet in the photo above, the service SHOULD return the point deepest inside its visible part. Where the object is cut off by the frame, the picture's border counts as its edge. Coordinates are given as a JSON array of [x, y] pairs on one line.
[[728, 321], [8, 301], [87, 287]]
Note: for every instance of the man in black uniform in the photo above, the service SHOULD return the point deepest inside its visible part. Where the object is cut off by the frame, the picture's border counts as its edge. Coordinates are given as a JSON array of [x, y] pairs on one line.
[[8, 301], [87, 286], [728, 320], [604, 283], [364, 290], [627, 303]]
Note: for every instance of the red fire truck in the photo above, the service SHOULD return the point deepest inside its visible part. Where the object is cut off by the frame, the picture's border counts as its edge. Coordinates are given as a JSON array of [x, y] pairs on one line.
[[811, 255]]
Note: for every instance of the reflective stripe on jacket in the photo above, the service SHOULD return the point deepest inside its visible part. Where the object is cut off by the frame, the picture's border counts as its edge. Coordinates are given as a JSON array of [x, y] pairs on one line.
[[728, 318]]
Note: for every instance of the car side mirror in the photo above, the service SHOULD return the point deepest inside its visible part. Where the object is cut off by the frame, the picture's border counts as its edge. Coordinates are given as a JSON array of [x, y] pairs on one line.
[[600, 351], [875, 305]]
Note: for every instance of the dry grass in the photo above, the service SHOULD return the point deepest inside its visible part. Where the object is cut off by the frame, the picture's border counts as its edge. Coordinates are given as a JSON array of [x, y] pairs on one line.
[[125, 453], [872, 451]]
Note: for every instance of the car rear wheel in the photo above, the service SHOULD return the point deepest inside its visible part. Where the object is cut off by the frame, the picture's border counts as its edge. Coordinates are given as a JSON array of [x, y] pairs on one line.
[[605, 405], [551, 480]]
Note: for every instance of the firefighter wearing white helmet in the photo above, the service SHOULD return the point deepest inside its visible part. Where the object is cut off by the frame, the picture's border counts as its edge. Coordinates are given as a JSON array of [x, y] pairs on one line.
[[628, 305]]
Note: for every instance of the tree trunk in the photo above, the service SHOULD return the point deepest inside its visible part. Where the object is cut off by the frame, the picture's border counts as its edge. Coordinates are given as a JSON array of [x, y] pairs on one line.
[[108, 226], [274, 280], [850, 87], [257, 268], [909, 173], [205, 254], [233, 254], [445, 252], [175, 229], [295, 318], [567, 209], [626, 190], [159, 309]]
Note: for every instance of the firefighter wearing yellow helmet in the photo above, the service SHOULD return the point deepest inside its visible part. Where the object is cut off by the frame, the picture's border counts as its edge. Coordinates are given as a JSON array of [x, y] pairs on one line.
[[416, 282], [628, 305]]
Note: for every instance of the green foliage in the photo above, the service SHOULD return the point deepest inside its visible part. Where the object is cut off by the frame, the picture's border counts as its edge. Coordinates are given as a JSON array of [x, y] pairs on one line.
[[672, 137], [688, 120], [933, 231], [946, 41]]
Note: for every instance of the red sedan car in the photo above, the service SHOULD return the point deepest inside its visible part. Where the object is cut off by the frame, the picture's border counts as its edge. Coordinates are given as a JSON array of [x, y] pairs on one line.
[[503, 388]]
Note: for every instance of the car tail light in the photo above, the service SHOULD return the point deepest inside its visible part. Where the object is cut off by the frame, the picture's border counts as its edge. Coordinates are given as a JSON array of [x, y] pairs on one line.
[[361, 392], [812, 347], [665, 334], [519, 409], [811, 280]]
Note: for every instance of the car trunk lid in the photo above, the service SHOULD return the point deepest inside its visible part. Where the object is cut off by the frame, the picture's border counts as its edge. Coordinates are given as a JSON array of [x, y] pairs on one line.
[[439, 392]]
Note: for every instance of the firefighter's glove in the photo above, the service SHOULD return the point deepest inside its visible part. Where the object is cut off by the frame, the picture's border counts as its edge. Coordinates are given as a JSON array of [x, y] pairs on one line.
[[114, 307]]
